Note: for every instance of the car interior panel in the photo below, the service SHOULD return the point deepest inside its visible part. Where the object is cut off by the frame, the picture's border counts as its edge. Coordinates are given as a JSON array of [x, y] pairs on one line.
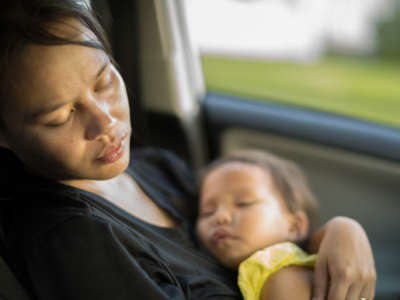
[[352, 166]]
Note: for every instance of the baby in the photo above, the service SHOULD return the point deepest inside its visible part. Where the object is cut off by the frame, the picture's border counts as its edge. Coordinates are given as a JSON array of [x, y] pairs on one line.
[[254, 208]]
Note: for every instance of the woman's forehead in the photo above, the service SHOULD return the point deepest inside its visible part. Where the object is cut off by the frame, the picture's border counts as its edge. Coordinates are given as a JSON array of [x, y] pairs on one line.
[[35, 57], [43, 73]]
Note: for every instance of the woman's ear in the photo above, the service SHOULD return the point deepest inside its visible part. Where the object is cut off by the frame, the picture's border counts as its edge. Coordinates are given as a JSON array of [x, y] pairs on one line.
[[299, 226]]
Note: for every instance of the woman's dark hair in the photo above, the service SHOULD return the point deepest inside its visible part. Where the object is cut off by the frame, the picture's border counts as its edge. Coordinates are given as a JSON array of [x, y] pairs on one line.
[[287, 177], [25, 22]]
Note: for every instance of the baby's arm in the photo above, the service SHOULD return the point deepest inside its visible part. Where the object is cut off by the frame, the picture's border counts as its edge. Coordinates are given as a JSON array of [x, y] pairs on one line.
[[289, 283]]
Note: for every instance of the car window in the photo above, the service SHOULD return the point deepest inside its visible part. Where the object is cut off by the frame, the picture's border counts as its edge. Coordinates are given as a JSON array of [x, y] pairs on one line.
[[334, 56]]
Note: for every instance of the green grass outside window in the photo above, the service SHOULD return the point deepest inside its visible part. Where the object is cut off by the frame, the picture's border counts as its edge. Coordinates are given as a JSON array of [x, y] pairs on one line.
[[368, 90]]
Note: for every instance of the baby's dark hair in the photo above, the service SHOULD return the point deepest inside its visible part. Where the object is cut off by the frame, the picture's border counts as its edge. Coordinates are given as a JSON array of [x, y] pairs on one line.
[[287, 177]]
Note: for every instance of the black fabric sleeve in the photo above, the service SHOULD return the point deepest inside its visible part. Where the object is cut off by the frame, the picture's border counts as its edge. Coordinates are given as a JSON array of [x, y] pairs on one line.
[[88, 258], [10, 289]]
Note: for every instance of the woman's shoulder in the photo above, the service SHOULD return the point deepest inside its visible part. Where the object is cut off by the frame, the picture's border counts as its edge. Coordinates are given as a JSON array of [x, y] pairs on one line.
[[34, 212]]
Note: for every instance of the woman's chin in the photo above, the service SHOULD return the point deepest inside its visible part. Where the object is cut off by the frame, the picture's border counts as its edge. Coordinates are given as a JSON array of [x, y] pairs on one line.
[[112, 170]]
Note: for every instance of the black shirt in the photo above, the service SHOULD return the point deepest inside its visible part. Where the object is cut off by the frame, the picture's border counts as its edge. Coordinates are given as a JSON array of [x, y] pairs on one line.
[[66, 243]]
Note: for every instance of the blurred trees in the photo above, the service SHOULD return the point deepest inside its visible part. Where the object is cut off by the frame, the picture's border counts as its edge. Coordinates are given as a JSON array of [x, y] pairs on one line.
[[388, 34]]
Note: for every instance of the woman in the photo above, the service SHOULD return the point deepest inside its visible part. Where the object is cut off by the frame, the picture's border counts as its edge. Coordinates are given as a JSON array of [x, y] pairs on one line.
[[79, 224]]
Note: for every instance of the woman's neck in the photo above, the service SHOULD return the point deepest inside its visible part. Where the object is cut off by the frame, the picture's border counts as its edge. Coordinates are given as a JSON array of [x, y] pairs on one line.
[[124, 192], [100, 187]]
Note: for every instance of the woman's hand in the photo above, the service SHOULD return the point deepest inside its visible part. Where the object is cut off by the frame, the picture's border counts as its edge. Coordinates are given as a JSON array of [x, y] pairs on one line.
[[345, 268]]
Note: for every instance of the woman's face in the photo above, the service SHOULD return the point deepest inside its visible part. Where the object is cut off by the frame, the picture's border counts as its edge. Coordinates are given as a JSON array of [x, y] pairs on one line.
[[67, 116], [240, 212]]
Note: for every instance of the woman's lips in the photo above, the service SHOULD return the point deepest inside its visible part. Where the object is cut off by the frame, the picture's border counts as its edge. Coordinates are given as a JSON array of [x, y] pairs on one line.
[[112, 153]]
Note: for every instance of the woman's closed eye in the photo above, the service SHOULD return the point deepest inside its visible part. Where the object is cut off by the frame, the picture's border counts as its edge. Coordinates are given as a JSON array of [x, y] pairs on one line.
[[104, 82], [63, 118]]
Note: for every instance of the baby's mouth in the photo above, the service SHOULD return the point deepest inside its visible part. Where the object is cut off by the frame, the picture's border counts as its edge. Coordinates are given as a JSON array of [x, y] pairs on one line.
[[220, 236]]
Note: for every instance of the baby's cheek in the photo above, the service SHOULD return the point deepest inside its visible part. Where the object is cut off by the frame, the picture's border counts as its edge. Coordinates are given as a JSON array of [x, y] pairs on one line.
[[201, 230], [253, 219]]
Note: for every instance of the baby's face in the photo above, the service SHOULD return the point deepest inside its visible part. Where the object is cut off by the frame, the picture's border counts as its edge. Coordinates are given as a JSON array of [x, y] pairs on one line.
[[240, 212]]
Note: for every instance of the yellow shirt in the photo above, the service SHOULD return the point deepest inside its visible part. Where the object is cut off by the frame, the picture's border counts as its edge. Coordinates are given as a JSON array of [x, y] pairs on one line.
[[255, 270]]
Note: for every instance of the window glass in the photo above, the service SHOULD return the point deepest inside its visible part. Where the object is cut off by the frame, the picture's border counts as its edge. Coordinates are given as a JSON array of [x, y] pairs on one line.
[[339, 56]]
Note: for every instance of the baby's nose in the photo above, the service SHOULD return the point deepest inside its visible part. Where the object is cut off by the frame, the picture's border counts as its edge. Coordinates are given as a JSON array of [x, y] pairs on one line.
[[223, 216]]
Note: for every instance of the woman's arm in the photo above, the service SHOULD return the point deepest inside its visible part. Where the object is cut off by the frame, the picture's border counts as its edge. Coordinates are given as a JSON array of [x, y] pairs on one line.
[[86, 258], [345, 266], [288, 283]]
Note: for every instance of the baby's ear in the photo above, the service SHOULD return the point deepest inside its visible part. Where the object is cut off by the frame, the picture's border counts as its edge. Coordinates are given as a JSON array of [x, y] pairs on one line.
[[299, 226]]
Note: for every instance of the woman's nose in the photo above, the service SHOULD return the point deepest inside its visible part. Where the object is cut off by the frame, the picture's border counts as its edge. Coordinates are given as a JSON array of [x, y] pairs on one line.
[[222, 216], [101, 122]]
